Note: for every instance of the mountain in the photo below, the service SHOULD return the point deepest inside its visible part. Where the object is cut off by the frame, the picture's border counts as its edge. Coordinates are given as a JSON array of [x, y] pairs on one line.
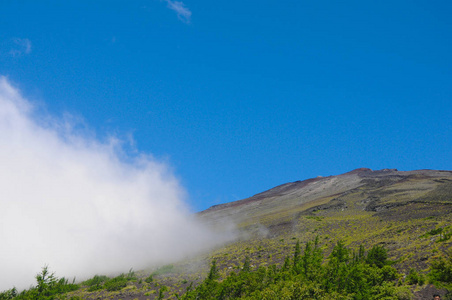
[[296, 195], [352, 201], [409, 213]]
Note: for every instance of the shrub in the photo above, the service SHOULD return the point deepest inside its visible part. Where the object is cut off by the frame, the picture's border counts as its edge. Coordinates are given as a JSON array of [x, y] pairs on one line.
[[9, 294], [97, 279], [131, 275], [435, 231], [377, 256], [149, 279], [441, 269], [414, 277], [116, 283], [95, 283]]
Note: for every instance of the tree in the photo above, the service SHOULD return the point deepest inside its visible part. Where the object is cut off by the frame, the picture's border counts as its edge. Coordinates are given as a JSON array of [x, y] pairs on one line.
[[378, 256], [213, 273], [441, 270], [46, 281], [246, 265], [340, 253], [296, 258]]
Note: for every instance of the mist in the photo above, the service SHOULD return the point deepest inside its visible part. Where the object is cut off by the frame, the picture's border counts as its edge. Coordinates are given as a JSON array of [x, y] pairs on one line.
[[82, 205]]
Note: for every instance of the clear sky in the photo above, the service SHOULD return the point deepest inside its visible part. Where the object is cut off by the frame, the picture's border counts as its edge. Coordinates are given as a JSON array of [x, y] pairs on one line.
[[240, 96]]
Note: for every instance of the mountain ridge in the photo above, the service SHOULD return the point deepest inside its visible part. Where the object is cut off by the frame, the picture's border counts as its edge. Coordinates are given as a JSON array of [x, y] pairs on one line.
[[298, 193]]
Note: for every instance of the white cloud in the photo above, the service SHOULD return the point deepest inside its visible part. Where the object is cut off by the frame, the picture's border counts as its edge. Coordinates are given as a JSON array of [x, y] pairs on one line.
[[183, 13], [72, 202], [20, 47]]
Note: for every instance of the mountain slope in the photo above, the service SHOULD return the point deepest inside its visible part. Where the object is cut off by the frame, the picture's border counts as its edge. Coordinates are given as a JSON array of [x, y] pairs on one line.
[[373, 191], [408, 213], [393, 208]]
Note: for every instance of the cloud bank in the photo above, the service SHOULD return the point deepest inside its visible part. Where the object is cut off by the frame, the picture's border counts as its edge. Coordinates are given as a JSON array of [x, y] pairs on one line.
[[183, 13], [78, 205]]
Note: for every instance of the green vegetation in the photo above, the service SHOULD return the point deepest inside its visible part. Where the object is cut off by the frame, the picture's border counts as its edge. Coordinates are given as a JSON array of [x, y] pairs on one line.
[[48, 286], [441, 270], [95, 283], [443, 234], [96, 280], [116, 283], [149, 279], [414, 277], [305, 274], [308, 275]]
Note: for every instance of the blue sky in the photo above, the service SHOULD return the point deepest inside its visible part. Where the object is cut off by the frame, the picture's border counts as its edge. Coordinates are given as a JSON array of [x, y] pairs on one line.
[[240, 96]]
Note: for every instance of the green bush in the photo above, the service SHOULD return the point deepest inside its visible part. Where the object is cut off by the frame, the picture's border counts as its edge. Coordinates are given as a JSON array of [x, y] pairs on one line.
[[306, 277], [435, 231], [95, 283], [9, 294], [441, 270], [149, 279], [414, 277], [377, 256], [97, 279], [117, 283], [48, 287], [131, 275]]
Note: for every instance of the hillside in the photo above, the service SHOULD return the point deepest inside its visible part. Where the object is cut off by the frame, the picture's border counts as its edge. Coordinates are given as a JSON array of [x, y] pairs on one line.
[[407, 213], [389, 207]]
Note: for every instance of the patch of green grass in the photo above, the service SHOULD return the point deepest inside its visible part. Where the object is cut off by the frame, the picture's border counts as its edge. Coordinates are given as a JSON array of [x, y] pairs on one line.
[[317, 218]]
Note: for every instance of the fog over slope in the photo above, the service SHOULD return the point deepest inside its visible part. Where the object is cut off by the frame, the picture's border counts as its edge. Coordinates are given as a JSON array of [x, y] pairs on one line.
[[82, 206]]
